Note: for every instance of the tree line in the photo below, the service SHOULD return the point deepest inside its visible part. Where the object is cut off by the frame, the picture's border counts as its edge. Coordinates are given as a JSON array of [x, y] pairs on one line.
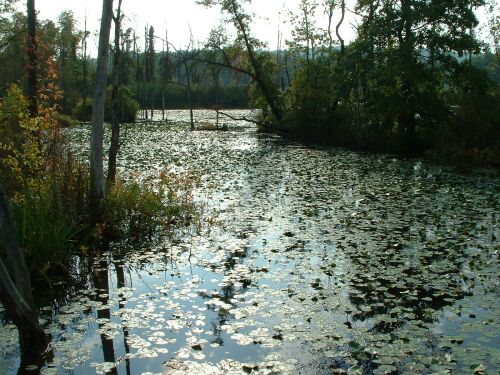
[[152, 73], [407, 83], [415, 79]]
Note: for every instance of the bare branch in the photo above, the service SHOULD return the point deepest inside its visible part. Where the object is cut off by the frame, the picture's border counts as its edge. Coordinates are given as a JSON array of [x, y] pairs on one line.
[[241, 118], [224, 65]]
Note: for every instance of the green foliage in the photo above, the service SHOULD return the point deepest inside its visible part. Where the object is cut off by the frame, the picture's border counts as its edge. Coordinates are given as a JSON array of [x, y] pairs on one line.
[[47, 186], [490, 64], [65, 121], [46, 236], [309, 99], [20, 145], [13, 58], [407, 84], [67, 41], [7, 6], [203, 96], [137, 210], [51, 220], [128, 107]]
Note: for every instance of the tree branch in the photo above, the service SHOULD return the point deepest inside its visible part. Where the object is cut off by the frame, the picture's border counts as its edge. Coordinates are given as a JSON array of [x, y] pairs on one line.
[[224, 65], [241, 118], [12, 37]]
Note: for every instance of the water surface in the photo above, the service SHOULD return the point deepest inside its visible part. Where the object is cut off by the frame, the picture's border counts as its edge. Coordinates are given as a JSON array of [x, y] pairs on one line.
[[307, 261]]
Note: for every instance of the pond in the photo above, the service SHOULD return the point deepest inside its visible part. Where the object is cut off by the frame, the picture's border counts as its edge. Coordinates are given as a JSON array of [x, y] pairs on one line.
[[308, 260]]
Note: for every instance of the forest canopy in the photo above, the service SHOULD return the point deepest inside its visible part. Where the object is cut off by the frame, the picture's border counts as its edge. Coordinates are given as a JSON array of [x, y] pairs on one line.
[[418, 76]]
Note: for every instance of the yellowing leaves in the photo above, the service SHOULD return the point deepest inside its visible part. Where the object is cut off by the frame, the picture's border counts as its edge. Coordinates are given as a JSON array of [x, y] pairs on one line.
[[23, 137]]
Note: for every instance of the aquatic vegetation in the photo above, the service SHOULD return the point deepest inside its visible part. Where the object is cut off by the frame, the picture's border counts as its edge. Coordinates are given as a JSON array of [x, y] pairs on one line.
[[307, 260], [136, 210]]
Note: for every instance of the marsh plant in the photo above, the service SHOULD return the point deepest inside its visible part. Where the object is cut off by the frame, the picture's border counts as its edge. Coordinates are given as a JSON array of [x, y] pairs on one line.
[[49, 190], [137, 210]]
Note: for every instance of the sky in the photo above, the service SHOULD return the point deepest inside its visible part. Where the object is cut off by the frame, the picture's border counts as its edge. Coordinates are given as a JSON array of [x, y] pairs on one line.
[[179, 16]]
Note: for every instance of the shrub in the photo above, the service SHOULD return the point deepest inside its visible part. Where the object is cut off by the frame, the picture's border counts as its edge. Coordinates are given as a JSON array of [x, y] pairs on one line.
[[49, 188], [46, 236], [65, 121], [135, 210], [128, 107], [20, 143], [52, 219]]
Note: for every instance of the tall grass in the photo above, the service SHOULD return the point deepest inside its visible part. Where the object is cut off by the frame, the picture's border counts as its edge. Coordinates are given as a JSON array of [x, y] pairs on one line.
[[46, 236], [136, 210], [52, 219]]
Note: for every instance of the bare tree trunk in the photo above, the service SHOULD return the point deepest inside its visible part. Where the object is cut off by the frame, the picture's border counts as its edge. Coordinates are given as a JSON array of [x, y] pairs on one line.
[[85, 73], [163, 82], [217, 97], [337, 28], [150, 77], [152, 100], [190, 99], [163, 102], [331, 6], [279, 66], [115, 122], [32, 59], [145, 73], [16, 295], [97, 135], [287, 72]]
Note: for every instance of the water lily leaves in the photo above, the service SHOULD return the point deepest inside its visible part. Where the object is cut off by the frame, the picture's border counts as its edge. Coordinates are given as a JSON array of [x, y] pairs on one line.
[[385, 370], [294, 243], [103, 367]]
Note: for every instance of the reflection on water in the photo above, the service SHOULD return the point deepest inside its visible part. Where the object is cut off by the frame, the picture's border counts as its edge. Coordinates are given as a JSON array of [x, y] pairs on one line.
[[309, 260]]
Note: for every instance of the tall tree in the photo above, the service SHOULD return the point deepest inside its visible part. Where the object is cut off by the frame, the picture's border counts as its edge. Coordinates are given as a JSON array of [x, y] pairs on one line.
[[493, 8], [68, 43], [304, 32], [188, 80], [417, 48], [183, 64], [97, 187], [86, 34], [216, 41], [32, 59], [241, 21], [145, 73], [150, 66], [337, 28], [164, 73], [115, 121]]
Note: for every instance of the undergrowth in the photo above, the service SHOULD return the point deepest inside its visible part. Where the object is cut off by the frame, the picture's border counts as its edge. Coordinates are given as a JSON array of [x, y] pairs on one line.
[[137, 210], [49, 192]]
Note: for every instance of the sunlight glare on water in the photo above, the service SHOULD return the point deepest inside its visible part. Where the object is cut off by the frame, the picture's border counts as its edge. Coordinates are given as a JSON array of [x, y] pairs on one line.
[[309, 260]]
